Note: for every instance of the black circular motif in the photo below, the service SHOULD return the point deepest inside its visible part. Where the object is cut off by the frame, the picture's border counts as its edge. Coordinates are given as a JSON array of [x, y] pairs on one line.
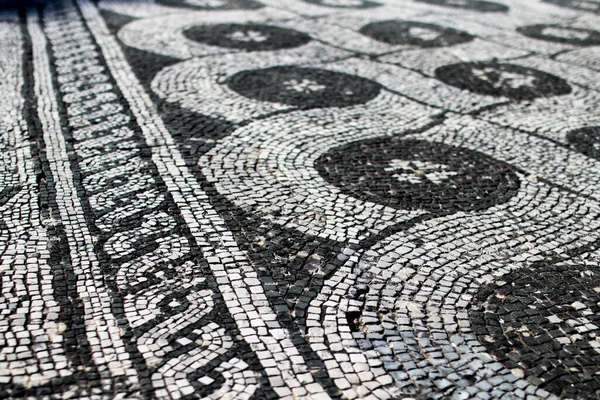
[[509, 80], [305, 88], [213, 4], [545, 322], [474, 5], [403, 32], [575, 36], [586, 141], [250, 37], [581, 5], [345, 3], [416, 174]]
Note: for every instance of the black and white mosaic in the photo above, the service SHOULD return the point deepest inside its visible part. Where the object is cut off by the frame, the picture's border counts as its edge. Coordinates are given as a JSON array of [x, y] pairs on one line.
[[562, 34], [586, 140], [414, 33], [474, 5], [542, 323], [300, 199], [411, 174], [247, 37], [210, 5], [304, 88], [580, 5], [345, 3], [502, 79]]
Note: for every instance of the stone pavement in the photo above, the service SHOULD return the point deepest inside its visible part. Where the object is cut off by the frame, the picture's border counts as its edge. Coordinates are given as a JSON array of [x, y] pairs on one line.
[[300, 199]]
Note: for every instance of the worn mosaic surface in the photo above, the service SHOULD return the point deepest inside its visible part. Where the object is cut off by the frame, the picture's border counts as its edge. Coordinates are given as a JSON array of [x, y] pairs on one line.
[[300, 199]]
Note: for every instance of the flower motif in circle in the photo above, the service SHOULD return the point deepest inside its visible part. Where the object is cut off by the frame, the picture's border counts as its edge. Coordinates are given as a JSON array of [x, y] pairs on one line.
[[414, 174], [420, 34], [213, 4], [345, 3], [496, 79], [417, 171], [249, 37], [303, 87], [503, 78], [474, 5], [562, 34]]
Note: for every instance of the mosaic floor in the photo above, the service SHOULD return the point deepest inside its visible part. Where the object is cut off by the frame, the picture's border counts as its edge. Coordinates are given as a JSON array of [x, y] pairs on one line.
[[300, 199]]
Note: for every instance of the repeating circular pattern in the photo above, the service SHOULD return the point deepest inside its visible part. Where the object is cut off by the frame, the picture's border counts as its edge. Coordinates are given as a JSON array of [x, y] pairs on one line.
[[414, 174], [353, 191], [586, 141], [473, 5], [580, 5], [544, 322], [213, 4], [249, 37], [397, 32], [499, 79], [345, 3], [305, 88], [562, 34]]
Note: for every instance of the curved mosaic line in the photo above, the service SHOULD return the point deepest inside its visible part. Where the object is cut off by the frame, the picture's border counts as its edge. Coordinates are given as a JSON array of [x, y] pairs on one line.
[[321, 199]]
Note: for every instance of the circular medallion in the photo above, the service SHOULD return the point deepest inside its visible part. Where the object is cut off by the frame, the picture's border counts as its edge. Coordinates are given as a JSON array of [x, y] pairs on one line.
[[345, 3], [586, 141], [544, 324], [250, 37], [416, 174], [303, 87], [414, 33], [581, 5], [474, 5], [213, 4], [561, 34], [509, 80]]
